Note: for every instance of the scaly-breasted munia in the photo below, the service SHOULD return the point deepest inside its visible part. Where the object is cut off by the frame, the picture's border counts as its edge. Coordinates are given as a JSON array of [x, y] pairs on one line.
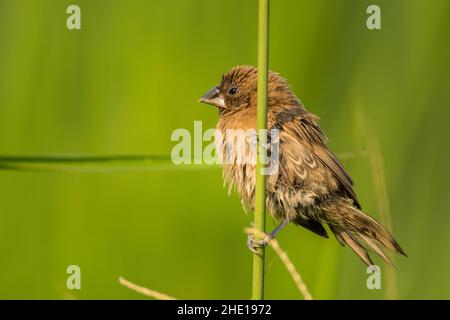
[[311, 187]]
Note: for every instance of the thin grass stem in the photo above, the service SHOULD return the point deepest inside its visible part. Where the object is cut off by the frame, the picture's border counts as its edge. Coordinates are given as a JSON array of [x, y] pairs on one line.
[[260, 192], [96, 163], [145, 291]]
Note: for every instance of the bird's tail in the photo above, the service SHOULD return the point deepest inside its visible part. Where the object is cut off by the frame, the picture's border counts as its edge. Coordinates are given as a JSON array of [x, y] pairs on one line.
[[360, 232]]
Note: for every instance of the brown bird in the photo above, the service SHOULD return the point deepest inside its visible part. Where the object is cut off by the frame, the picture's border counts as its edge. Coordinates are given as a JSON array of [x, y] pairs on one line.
[[311, 187]]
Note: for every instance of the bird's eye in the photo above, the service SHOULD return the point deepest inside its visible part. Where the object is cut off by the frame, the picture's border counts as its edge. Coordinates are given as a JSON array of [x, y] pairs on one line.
[[232, 90]]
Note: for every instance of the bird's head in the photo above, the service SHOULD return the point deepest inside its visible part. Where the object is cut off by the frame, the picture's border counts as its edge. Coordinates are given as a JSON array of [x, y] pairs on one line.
[[238, 90], [235, 91]]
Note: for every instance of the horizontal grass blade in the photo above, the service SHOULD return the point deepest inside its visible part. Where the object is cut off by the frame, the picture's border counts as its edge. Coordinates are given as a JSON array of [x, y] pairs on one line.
[[111, 163], [93, 163]]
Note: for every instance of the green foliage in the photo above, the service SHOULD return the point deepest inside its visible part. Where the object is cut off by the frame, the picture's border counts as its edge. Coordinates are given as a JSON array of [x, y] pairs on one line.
[[260, 191]]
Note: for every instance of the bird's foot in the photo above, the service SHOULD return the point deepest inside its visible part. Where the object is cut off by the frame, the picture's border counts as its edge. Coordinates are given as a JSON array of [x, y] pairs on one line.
[[253, 244]]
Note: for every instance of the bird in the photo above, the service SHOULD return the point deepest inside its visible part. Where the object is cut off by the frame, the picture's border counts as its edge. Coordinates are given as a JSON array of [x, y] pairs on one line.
[[311, 188]]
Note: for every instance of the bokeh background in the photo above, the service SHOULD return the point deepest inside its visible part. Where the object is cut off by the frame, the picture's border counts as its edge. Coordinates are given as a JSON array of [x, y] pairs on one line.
[[133, 74]]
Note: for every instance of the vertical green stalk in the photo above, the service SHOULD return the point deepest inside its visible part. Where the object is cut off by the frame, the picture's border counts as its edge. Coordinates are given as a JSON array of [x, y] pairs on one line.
[[379, 181], [260, 197]]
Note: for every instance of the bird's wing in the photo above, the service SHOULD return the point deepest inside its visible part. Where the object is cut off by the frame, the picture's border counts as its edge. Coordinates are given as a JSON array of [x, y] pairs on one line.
[[320, 149], [305, 127]]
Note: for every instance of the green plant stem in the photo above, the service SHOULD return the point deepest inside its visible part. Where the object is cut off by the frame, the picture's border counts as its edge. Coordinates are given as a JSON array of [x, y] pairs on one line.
[[379, 182], [109, 163], [260, 196], [95, 163]]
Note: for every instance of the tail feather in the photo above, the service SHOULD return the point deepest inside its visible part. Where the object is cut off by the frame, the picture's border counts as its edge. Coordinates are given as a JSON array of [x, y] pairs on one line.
[[377, 250], [357, 248], [360, 232], [372, 229]]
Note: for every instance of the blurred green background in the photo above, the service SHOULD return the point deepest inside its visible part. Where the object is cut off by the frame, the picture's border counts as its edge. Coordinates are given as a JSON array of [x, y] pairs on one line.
[[133, 74]]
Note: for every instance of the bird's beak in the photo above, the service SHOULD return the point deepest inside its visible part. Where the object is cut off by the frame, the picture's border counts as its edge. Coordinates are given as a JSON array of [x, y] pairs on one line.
[[213, 97]]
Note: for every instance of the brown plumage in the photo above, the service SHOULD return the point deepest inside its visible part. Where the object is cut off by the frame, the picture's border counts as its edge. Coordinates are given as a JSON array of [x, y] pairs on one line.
[[311, 187]]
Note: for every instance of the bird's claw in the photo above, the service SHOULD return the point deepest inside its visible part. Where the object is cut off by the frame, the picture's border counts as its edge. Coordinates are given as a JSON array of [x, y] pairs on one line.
[[253, 244]]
